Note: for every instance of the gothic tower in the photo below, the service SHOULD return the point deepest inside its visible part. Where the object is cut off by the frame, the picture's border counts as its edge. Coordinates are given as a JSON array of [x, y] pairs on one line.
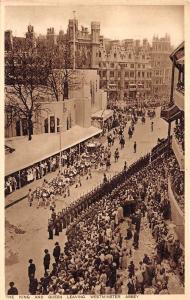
[[95, 39]]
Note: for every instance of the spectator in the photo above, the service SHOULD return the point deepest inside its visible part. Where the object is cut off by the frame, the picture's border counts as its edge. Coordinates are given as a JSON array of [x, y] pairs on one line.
[[12, 290]]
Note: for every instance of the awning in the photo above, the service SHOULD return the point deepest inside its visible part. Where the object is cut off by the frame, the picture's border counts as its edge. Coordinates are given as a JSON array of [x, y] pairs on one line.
[[102, 114], [43, 146], [170, 114], [178, 55]]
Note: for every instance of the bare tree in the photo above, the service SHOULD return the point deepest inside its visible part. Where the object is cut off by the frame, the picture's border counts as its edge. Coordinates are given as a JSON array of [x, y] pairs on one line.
[[26, 75], [61, 77]]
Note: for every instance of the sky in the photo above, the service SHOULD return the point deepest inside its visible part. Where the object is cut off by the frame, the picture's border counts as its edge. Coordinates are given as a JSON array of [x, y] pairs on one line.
[[116, 21]]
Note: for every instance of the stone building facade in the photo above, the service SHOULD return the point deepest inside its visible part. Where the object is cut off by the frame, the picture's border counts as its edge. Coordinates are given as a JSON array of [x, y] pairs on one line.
[[83, 101], [129, 69], [125, 69], [161, 66]]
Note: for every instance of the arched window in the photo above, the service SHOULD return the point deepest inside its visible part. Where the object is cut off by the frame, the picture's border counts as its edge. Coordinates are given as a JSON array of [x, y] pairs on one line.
[[46, 125], [24, 127], [18, 129], [52, 124], [58, 124]]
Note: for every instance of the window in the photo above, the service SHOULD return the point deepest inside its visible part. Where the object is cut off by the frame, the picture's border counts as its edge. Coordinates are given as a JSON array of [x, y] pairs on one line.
[[119, 74], [100, 54], [126, 84], [112, 65], [131, 74], [132, 66], [143, 74], [46, 125], [139, 65], [126, 74], [58, 125], [115, 55], [139, 74], [143, 66], [143, 56], [52, 124], [24, 126], [112, 74], [129, 55], [104, 73]]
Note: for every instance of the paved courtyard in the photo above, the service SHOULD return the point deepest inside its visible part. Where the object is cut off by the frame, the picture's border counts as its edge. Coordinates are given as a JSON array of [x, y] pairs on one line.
[[26, 227]]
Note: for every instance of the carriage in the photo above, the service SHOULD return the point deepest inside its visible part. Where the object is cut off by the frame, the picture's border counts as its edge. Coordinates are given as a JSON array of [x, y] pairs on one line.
[[151, 113]]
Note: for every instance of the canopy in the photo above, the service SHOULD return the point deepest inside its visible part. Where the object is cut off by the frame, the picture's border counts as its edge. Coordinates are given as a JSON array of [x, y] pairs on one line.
[[178, 55], [43, 146], [170, 114], [102, 114]]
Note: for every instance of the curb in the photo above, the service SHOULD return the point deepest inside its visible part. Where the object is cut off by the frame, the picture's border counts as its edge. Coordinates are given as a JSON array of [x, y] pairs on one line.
[[14, 202]]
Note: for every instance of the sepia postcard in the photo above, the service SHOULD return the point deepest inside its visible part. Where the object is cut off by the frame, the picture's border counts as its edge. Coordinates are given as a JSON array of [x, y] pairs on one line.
[[95, 149]]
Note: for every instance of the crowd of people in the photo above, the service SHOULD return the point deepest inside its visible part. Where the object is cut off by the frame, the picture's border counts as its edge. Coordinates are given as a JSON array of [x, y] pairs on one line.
[[99, 255], [180, 87], [68, 158], [179, 134], [71, 160], [177, 181], [105, 226]]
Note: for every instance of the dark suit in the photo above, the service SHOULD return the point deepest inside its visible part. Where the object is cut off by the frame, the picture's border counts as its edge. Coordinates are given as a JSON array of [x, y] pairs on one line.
[[46, 261], [56, 253]]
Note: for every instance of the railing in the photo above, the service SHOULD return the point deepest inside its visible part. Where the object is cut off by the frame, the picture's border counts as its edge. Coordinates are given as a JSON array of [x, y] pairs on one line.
[[176, 211], [177, 149], [179, 98], [159, 149]]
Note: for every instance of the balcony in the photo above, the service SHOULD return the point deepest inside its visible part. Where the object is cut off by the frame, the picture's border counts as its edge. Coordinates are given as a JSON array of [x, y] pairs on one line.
[[112, 87], [179, 99], [177, 149], [176, 213], [170, 113]]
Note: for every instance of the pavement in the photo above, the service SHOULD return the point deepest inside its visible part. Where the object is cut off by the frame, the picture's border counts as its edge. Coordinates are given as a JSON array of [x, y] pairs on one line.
[[26, 233]]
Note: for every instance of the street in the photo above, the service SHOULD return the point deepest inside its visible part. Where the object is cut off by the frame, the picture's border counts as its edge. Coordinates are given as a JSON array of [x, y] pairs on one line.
[[26, 227]]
